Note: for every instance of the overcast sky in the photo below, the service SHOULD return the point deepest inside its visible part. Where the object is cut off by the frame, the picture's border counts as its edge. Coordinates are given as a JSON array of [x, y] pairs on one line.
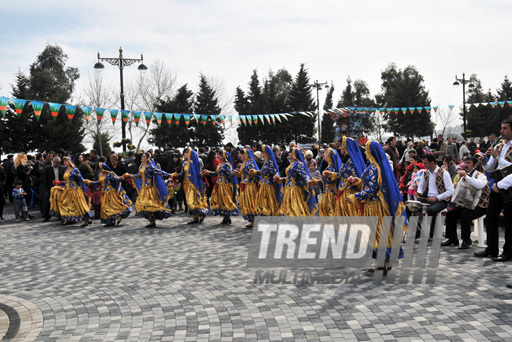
[[228, 39]]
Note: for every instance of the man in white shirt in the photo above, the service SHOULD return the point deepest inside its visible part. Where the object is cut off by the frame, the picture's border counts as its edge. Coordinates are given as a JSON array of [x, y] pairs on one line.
[[478, 181], [435, 188], [501, 156]]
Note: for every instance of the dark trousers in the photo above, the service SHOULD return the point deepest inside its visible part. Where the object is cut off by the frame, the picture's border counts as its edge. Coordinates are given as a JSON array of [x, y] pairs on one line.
[[496, 205], [466, 216], [434, 209]]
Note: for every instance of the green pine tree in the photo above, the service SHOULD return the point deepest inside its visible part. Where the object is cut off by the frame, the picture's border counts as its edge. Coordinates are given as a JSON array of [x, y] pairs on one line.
[[328, 129], [301, 128], [206, 103]]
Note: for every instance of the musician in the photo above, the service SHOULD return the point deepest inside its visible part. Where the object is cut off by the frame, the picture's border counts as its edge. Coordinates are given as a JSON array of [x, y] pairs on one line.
[[500, 157], [478, 181], [435, 188]]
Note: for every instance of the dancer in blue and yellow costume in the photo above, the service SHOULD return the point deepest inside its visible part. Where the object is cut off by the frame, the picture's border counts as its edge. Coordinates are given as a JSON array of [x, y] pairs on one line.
[[223, 198], [270, 194], [352, 166], [69, 198], [152, 199], [115, 204], [193, 186], [328, 200], [298, 199], [249, 183], [379, 193]]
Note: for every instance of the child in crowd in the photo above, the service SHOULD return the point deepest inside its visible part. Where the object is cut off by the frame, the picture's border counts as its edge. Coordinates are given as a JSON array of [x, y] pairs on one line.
[[417, 173], [20, 206]]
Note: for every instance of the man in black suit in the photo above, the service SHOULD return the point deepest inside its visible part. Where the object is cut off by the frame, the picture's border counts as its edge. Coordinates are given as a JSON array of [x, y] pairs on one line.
[[54, 172]]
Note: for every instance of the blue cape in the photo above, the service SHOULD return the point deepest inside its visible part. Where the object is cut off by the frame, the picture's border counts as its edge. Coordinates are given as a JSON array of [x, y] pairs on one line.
[[194, 171], [249, 154], [234, 179], [312, 204], [279, 188], [354, 152]]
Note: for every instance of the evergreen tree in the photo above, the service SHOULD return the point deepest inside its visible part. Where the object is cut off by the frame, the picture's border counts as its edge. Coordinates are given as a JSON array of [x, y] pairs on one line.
[[328, 129], [177, 134], [404, 88], [206, 103], [301, 128], [21, 89], [251, 104], [483, 120]]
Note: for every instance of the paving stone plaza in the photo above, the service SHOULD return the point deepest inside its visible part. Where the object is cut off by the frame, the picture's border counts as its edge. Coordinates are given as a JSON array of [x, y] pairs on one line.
[[190, 282]]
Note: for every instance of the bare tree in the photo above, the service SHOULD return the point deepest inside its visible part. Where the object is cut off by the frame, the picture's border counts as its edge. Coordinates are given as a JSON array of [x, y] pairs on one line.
[[145, 94], [445, 117]]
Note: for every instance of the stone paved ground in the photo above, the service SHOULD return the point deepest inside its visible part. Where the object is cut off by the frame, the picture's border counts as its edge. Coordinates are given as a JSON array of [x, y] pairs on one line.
[[182, 282]]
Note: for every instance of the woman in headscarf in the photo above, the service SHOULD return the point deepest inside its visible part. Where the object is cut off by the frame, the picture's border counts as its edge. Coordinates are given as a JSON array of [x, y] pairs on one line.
[[330, 186], [270, 195], [69, 197], [223, 199], [153, 196], [194, 187], [379, 193], [249, 182], [115, 204], [352, 166], [298, 199]]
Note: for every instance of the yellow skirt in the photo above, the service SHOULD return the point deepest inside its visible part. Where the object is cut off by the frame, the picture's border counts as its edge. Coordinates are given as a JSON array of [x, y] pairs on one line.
[[69, 203], [221, 201], [267, 200], [294, 202], [247, 200], [196, 203], [377, 208], [328, 200], [112, 207], [148, 202], [344, 208]]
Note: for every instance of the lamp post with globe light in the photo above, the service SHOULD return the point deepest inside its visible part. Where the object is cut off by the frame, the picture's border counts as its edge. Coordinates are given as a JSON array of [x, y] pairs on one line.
[[457, 83]]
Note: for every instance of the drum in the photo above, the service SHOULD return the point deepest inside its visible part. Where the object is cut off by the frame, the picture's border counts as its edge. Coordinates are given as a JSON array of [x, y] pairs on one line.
[[424, 209], [413, 206]]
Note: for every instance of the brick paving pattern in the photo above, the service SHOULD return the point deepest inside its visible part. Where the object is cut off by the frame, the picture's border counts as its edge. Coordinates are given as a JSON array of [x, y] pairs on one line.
[[190, 282]]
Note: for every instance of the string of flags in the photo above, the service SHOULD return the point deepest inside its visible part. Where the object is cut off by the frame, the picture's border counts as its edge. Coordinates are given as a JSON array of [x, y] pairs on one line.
[[247, 120]]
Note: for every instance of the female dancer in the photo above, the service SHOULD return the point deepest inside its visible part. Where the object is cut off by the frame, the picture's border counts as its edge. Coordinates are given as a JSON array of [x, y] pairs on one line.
[[249, 181], [152, 199], [298, 200], [223, 199], [270, 195], [193, 187], [69, 198], [328, 201], [115, 204], [379, 193]]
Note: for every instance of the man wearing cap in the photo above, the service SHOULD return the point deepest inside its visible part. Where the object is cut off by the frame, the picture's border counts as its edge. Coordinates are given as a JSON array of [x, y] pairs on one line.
[[478, 181]]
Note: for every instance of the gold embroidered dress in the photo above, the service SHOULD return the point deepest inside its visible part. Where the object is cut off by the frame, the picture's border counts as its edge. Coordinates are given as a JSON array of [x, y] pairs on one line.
[[248, 191], [69, 200], [148, 200], [221, 200], [294, 201], [266, 199]]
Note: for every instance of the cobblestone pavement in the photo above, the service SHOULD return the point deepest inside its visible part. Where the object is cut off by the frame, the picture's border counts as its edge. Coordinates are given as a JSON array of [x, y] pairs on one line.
[[190, 282]]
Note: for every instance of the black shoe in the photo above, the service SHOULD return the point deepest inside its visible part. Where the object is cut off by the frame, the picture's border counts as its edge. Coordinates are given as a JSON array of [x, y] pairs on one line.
[[151, 225], [466, 244], [201, 218], [46, 219], [484, 254], [2, 218], [502, 257], [193, 221], [372, 270], [31, 217], [86, 223], [450, 242], [509, 285]]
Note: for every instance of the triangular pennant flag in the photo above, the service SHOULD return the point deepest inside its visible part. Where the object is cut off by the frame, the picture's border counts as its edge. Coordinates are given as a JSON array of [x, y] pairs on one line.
[[37, 106], [262, 118], [268, 118], [187, 119], [136, 117], [158, 117], [70, 111], [278, 117], [284, 116], [205, 119], [493, 104], [168, 118], [99, 114], [230, 117], [87, 112], [242, 118], [148, 116], [222, 119], [125, 114], [451, 106], [501, 103], [273, 118], [19, 105], [4, 101], [419, 109], [249, 119], [113, 115], [177, 118], [54, 109], [214, 119], [197, 117], [412, 109], [255, 119], [435, 108]]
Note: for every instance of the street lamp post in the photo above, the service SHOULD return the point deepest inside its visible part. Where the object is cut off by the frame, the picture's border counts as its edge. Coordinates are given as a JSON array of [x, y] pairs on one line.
[[457, 82], [121, 62], [318, 87]]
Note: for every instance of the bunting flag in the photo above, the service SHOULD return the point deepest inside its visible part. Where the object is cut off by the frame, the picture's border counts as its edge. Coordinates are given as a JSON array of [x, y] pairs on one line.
[[451, 107], [54, 109], [168, 118], [255, 119], [148, 116], [273, 118], [125, 115], [242, 118], [70, 111], [87, 112], [284, 116], [19, 105], [501, 103], [214, 119], [187, 119], [99, 114], [158, 117], [268, 119], [37, 106], [205, 119], [222, 119], [249, 119], [177, 118], [197, 117], [278, 117], [493, 104], [4, 101], [230, 117], [113, 115], [136, 117], [436, 108]]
